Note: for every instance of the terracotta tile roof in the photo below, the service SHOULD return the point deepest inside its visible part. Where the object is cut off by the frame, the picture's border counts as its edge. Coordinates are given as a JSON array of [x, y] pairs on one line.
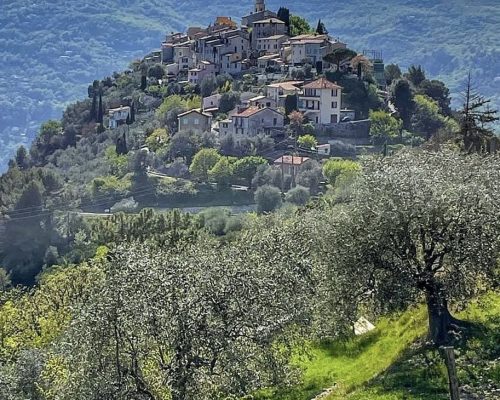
[[288, 85], [291, 160], [252, 111], [248, 112], [322, 83]]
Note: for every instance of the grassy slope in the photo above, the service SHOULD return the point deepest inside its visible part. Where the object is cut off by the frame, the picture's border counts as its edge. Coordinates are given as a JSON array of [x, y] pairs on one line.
[[391, 363]]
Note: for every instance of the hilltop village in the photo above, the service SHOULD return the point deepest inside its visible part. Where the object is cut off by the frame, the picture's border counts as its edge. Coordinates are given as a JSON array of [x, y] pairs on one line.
[[277, 72], [250, 115], [264, 48]]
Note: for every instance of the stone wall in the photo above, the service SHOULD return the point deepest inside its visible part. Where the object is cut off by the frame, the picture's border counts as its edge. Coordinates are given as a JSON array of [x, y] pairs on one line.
[[346, 130]]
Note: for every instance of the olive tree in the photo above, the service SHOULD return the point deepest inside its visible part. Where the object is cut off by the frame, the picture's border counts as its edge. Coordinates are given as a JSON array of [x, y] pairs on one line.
[[420, 226], [206, 322]]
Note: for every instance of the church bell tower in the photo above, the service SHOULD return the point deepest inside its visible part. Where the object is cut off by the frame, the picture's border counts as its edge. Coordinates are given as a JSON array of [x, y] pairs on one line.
[[260, 5]]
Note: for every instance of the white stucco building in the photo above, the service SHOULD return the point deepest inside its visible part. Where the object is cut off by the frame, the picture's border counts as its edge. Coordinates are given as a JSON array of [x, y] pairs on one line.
[[321, 101]]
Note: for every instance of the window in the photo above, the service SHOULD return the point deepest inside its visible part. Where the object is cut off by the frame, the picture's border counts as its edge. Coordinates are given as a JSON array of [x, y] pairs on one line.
[[334, 92], [275, 121], [334, 104], [185, 121], [333, 119], [196, 121]]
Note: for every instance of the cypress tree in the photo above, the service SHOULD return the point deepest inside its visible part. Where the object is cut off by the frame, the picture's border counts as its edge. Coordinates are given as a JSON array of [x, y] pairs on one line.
[[100, 113], [144, 82], [321, 29], [132, 112], [124, 144], [93, 109]]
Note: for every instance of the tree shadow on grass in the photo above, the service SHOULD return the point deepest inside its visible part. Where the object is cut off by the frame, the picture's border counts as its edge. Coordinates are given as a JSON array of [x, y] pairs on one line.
[[351, 348]]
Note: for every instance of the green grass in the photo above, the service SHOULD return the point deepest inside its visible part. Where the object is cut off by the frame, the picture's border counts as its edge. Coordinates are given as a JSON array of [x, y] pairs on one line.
[[393, 362]]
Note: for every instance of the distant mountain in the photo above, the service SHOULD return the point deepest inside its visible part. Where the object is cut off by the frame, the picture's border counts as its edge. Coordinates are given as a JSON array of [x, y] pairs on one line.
[[51, 50]]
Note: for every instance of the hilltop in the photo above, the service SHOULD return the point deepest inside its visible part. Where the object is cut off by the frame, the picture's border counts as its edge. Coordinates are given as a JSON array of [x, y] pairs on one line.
[[51, 50]]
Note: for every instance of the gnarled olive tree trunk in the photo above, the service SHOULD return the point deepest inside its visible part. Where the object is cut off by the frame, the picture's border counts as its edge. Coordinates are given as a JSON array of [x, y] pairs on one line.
[[441, 322]]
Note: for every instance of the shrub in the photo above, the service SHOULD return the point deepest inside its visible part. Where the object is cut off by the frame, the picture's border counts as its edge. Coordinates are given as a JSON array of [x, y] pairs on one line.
[[125, 205], [268, 198], [298, 196]]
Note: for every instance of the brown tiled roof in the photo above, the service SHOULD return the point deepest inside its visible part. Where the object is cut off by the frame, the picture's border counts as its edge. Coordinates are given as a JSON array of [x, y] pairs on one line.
[[322, 83], [291, 160], [248, 112], [252, 111], [287, 85]]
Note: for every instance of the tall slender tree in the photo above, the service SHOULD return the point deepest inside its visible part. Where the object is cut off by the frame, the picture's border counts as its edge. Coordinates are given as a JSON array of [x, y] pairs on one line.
[[100, 110], [93, 108], [476, 117]]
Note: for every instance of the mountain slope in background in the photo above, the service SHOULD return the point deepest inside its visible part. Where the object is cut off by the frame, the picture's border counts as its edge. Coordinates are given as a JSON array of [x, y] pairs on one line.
[[51, 50]]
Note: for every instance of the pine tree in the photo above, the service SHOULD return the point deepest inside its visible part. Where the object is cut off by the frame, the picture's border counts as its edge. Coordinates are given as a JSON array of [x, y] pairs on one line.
[[475, 133]]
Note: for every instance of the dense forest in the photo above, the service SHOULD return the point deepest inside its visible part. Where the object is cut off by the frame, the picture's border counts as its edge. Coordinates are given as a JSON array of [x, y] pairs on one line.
[[51, 50]]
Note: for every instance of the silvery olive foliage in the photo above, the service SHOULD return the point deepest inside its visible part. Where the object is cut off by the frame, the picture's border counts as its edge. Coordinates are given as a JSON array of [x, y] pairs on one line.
[[204, 323], [420, 225]]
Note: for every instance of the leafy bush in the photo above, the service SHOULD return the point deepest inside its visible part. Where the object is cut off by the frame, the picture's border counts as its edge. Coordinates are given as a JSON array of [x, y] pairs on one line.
[[268, 198], [299, 196], [335, 168], [128, 205]]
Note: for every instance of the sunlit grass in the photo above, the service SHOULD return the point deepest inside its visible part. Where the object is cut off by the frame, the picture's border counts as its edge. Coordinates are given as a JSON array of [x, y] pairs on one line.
[[385, 364]]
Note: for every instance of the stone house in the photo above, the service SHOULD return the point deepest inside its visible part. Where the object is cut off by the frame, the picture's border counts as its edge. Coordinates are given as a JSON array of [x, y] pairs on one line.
[[184, 56], [262, 102], [273, 61], [231, 63], [271, 44], [195, 121], [311, 48], [278, 91], [118, 116], [202, 70], [259, 13], [211, 103], [321, 102], [251, 122], [212, 47], [267, 28]]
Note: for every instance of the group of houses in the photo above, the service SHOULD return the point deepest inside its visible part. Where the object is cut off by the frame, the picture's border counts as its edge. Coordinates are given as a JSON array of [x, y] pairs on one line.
[[260, 44], [262, 41], [319, 101]]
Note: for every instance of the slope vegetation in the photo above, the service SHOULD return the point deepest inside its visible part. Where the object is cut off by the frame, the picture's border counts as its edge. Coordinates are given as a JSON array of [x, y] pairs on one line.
[[393, 361]]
